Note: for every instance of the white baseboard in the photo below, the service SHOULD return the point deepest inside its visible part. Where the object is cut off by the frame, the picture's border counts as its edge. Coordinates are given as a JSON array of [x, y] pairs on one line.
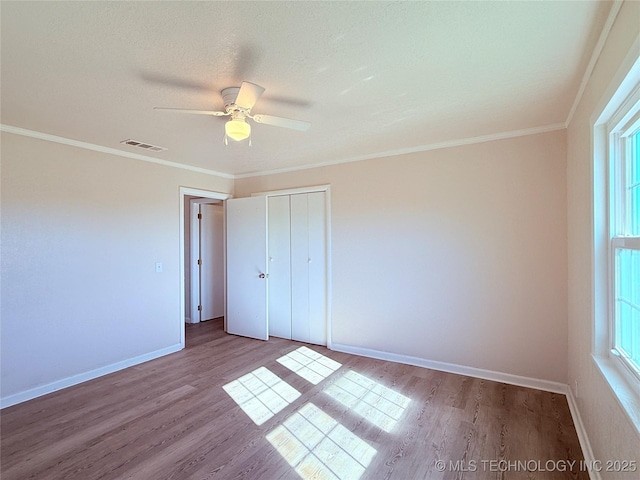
[[518, 380], [83, 377], [582, 435], [536, 383]]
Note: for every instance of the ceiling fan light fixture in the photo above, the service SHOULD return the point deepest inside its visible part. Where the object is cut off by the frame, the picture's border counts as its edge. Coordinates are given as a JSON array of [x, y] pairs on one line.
[[237, 129], [238, 102]]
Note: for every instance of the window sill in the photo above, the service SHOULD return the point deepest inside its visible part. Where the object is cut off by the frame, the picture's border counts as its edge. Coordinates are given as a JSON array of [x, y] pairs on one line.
[[623, 389]]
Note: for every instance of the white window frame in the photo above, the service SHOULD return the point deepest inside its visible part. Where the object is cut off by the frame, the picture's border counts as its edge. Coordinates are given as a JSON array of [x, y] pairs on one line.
[[620, 126], [612, 114]]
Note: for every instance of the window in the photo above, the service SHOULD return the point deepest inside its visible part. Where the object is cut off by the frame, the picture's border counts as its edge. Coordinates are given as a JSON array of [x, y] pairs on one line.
[[616, 237], [624, 225]]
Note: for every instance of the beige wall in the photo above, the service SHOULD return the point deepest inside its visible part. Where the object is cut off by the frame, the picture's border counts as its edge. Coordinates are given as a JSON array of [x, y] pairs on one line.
[[455, 255], [81, 232], [609, 430]]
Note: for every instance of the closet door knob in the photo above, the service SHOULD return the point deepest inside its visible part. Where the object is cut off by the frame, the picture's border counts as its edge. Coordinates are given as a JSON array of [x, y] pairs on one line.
[[262, 275]]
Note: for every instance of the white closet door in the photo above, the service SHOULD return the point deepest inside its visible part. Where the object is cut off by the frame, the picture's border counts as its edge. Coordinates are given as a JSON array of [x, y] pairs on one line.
[[308, 268], [279, 267], [247, 267], [317, 268], [300, 268]]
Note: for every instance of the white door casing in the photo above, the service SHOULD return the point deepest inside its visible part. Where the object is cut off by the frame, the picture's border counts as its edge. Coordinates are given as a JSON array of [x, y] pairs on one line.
[[183, 194]]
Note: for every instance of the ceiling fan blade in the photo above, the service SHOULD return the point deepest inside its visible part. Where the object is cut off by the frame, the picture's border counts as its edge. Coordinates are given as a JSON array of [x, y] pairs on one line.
[[282, 122], [198, 112], [248, 95], [175, 81]]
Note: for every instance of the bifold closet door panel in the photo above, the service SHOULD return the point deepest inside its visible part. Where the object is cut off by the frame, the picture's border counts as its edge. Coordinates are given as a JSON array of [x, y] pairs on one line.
[[308, 268], [300, 328], [279, 264], [317, 268]]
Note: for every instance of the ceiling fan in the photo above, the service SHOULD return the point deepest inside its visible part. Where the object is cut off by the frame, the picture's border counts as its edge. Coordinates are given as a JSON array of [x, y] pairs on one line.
[[238, 102]]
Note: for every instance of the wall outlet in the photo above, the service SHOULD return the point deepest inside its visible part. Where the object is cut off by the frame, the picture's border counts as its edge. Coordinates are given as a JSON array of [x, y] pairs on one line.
[[158, 267]]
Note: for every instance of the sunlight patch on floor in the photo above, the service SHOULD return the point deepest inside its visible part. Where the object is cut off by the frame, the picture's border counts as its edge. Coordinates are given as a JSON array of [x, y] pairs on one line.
[[378, 404], [309, 364], [261, 394], [318, 447]]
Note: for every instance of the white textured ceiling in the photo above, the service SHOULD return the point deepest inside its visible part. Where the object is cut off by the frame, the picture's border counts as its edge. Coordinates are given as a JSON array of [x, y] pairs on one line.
[[372, 77]]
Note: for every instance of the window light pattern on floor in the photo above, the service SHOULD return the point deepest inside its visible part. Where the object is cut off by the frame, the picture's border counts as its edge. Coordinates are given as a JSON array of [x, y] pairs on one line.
[[378, 404], [309, 364], [261, 394], [317, 446]]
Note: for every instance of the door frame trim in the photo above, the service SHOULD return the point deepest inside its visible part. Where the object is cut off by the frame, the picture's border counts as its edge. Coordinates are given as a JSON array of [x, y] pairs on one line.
[[213, 195], [328, 281]]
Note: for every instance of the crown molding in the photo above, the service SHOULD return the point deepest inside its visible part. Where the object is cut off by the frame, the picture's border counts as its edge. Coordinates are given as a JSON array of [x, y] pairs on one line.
[[111, 151], [595, 55], [388, 153], [419, 148]]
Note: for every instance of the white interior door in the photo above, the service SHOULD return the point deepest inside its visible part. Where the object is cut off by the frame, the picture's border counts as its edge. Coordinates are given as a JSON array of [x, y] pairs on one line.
[[194, 261], [211, 261], [247, 267]]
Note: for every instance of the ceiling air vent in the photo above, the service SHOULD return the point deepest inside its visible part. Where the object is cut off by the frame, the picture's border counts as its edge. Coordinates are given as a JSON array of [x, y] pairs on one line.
[[144, 146]]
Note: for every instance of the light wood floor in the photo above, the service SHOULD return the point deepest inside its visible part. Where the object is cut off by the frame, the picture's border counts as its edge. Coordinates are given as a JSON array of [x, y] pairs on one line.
[[171, 419]]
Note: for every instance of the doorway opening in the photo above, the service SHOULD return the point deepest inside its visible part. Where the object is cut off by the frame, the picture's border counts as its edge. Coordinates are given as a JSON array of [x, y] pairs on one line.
[[204, 257], [202, 264]]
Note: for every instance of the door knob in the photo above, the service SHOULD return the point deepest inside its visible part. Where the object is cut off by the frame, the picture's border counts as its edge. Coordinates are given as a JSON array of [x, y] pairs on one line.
[[262, 275]]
